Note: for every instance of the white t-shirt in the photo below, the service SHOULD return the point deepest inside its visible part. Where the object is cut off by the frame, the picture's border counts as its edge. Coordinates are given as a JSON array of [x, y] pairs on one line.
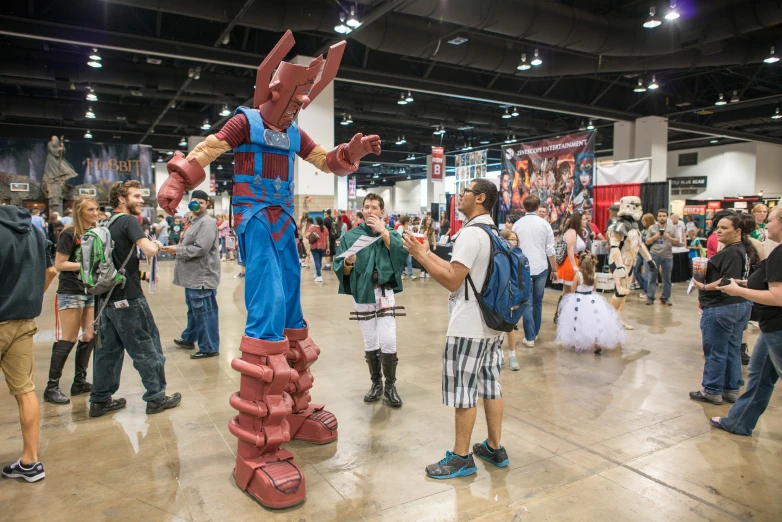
[[472, 248], [691, 225], [680, 230]]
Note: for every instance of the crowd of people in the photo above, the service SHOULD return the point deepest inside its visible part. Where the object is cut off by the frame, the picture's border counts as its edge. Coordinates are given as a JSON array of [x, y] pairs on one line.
[[743, 280]]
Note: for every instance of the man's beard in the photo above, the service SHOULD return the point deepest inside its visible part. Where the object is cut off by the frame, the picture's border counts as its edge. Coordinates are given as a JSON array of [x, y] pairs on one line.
[[134, 210]]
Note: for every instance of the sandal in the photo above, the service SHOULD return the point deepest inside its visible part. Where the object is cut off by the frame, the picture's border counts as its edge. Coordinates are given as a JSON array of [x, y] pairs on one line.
[[717, 423]]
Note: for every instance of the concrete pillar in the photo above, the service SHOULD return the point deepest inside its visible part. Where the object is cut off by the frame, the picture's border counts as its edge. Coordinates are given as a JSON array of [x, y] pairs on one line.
[[624, 140], [651, 141], [315, 191], [768, 170], [435, 189]]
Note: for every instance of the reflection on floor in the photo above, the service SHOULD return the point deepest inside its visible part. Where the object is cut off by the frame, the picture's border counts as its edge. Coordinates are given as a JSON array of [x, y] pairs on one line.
[[611, 437]]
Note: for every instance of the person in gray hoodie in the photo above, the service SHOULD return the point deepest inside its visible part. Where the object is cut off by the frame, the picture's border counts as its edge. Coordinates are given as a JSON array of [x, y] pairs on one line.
[[197, 270], [26, 269]]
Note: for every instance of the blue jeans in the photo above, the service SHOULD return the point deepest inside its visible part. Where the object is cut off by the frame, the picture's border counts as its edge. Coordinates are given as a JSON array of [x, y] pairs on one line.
[[533, 315], [409, 264], [765, 367], [317, 256], [130, 329], [641, 276], [721, 328], [202, 320], [651, 281]]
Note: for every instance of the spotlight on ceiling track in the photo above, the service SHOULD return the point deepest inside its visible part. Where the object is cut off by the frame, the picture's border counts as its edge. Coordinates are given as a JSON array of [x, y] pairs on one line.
[[514, 112], [90, 114], [506, 115], [654, 84], [409, 98], [672, 13], [652, 21], [225, 111], [352, 20], [206, 125], [88, 135], [721, 100], [735, 97], [402, 100], [523, 65], [536, 60], [183, 142], [771, 58], [91, 96], [591, 126], [640, 87], [777, 115], [341, 28]]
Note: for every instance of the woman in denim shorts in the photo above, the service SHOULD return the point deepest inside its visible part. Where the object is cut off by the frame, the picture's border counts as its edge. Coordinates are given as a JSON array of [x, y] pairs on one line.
[[75, 306]]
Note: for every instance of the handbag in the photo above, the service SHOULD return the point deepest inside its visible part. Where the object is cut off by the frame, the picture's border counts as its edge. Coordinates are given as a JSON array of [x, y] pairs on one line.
[[560, 250], [313, 237]]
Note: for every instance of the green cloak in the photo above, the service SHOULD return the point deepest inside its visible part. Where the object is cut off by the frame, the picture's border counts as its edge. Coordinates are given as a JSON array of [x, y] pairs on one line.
[[376, 256]]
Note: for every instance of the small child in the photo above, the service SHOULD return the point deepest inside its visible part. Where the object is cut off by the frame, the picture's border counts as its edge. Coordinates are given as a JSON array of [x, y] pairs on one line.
[[586, 320], [511, 237], [694, 244]]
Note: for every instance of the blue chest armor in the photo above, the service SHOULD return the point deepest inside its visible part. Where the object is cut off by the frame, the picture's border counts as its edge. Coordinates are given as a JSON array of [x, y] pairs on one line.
[[266, 192]]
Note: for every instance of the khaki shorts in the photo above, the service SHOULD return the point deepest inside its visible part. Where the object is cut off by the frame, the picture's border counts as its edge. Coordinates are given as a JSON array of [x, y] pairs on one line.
[[16, 354]]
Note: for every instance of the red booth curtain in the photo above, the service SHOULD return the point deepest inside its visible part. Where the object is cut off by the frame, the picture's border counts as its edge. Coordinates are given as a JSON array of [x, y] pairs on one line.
[[607, 195]]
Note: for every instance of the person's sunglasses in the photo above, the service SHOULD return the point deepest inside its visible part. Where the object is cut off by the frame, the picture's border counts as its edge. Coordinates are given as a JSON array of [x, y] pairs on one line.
[[474, 192]]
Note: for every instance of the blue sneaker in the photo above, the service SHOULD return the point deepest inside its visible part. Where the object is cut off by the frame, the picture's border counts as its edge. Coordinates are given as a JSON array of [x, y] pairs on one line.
[[452, 466], [498, 457]]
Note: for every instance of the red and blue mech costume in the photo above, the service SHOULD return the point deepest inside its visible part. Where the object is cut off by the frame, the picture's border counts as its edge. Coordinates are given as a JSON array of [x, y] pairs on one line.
[[273, 400]]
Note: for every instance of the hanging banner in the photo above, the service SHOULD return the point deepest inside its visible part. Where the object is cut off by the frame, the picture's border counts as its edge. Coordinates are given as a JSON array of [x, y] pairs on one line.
[[74, 165], [559, 171], [438, 163], [352, 187], [212, 184], [622, 173]]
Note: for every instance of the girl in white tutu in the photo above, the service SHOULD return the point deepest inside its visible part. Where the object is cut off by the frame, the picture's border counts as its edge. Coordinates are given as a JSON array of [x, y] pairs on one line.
[[586, 320]]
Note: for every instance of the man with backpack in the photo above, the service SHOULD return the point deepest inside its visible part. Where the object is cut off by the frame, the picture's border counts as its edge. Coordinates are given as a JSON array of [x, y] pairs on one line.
[[125, 321], [471, 359]]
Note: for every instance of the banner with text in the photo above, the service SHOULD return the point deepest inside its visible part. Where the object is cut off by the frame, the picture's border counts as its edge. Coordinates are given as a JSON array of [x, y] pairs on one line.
[[438, 163], [558, 170], [352, 187]]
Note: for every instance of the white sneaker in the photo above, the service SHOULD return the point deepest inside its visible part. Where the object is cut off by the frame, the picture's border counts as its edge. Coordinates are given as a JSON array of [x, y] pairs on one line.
[[318, 279], [412, 278], [528, 344], [404, 276], [642, 296]]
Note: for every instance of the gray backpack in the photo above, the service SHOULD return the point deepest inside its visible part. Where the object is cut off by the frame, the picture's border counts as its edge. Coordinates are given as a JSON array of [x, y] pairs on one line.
[[98, 273]]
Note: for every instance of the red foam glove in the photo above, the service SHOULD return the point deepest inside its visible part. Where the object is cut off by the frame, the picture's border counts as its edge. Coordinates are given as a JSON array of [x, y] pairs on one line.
[[362, 145], [183, 175]]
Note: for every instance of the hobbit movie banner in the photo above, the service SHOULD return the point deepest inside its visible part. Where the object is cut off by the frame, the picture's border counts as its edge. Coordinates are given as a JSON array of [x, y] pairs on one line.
[[80, 165], [558, 170]]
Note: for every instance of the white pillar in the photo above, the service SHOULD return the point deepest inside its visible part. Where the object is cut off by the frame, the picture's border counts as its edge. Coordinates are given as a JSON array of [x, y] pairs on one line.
[[624, 140], [768, 169], [317, 120], [651, 141]]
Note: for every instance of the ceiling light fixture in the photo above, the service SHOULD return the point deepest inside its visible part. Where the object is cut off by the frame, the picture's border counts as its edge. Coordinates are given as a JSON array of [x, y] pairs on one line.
[[225, 111], [507, 139], [409, 98], [341, 28], [777, 115], [654, 84], [514, 112], [401, 141], [714, 141], [350, 119], [640, 87], [735, 97], [506, 115], [95, 56], [721, 100], [771, 58], [183, 142], [591, 125], [536, 60], [409, 176], [652, 21], [402, 100], [90, 114], [91, 96], [344, 120], [88, 135], [352, 20], [219, 167], [513, 138], [94, 63], [672, 13], [170, 153], [523, 65], [206, 125], [160, 159]]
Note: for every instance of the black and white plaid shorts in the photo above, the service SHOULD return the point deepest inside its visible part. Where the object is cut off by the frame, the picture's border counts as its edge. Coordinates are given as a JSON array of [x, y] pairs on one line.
[[471, 369]]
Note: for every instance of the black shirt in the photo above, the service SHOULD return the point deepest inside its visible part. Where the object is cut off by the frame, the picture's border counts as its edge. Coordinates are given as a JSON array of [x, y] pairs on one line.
[[730, 262], [125, 231], [769, 271], [70, 282], [445, 226], [329, 224]]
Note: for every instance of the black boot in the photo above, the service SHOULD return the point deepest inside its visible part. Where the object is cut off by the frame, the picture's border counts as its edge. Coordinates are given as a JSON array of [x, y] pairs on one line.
[[744, 354], [60, 351], [83, 353], [373, 361], [556, 312], [390, 361]]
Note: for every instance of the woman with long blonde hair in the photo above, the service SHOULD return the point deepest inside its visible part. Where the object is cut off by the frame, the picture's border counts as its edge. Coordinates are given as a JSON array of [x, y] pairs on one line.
[[75, 307]]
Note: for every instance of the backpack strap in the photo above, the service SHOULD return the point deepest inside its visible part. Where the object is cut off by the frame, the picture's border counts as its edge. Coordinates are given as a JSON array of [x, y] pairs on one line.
[[486, 228]]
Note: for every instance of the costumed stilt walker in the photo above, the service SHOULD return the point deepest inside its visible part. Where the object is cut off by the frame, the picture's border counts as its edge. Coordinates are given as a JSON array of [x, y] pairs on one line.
[[373, 276], [274, 399], [625, 241]]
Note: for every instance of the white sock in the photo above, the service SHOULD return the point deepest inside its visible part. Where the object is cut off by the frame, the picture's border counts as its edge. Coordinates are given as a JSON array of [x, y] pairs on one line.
[[511, 353]]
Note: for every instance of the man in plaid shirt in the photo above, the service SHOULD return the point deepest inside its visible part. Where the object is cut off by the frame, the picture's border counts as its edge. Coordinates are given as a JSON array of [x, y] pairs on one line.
[[471, 359]]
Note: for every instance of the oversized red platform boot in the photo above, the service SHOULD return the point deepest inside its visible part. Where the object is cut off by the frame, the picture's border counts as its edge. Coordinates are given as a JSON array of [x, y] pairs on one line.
[[308, 422], [263, 470]]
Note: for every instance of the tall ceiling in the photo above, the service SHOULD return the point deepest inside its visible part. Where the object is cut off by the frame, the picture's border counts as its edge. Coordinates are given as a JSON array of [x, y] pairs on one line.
[[169, 65]]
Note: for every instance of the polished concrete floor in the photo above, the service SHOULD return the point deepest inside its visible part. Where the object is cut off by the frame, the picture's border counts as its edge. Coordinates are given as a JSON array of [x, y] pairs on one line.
[[611, 437]]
